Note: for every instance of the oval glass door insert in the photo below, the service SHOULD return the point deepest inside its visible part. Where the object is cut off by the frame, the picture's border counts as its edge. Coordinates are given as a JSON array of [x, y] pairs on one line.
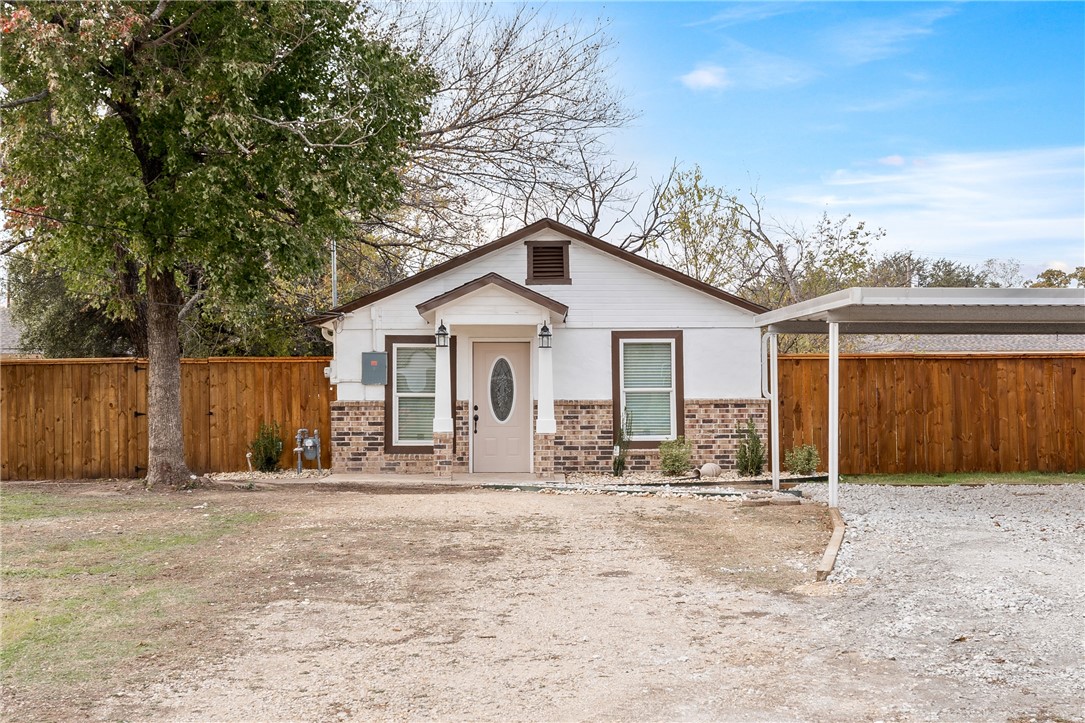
[[502, 389]]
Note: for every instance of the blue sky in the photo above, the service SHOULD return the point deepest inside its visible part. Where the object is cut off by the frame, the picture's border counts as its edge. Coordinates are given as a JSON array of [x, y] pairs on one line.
[[957, 127]]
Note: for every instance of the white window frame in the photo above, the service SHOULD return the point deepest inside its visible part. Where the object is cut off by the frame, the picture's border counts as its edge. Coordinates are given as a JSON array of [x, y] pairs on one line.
[[672, 389], [397, 395]]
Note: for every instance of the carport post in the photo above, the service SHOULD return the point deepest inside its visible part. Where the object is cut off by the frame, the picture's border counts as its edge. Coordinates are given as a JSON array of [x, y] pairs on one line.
[[774, 413], [834, 411]]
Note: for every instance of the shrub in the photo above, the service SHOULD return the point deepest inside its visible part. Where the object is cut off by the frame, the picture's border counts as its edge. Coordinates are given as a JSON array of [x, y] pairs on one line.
[[802, 460], [621, 449], [267, 447], [751, 451], [674, 456]]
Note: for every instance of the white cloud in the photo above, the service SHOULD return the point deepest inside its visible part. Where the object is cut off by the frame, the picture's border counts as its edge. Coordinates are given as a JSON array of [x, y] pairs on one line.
[[751, 69], [706, 77], [897, 100], [1026, 204], [871, 39], [741, 13]]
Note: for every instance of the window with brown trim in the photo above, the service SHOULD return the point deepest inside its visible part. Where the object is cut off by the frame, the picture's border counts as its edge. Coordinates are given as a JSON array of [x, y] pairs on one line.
[[648, 383], [410, 391], [548, 262]]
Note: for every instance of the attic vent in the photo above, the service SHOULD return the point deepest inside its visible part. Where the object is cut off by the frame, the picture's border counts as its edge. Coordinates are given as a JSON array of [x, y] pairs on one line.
[[548, 262]]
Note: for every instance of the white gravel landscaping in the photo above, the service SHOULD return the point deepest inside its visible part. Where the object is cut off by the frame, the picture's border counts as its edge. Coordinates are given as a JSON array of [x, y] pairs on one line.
[[982, 587]]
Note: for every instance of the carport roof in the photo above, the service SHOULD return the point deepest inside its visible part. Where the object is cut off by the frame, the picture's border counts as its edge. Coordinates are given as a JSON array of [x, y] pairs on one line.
[[934, 311]]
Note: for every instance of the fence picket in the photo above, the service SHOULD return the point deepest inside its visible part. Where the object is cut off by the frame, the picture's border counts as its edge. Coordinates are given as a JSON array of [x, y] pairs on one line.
[[75, 418], [899, 413]]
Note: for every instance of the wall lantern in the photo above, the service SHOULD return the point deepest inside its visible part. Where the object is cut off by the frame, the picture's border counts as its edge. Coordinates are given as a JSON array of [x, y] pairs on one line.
[[545, 336], [442, 335]]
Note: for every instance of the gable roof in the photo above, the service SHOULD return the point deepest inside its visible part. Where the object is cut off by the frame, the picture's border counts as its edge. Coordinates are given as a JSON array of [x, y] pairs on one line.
[[509, 239], [493, 279]]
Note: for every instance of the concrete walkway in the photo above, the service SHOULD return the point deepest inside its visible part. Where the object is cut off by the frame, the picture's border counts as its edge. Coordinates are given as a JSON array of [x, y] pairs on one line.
[[358, 480]]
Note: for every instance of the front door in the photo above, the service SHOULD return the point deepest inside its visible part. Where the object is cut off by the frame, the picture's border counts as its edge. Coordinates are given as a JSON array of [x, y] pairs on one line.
[[501, 412]]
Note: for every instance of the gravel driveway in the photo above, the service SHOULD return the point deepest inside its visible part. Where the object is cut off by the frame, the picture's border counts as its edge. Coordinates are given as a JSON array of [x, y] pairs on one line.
[[948, 604], [978, 592]]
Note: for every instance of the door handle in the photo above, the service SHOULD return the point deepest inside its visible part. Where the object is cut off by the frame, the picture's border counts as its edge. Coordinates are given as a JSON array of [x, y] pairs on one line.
[[476, 423]]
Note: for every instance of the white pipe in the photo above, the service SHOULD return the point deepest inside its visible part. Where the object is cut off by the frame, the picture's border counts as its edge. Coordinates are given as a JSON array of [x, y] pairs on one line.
[[834, 412], [774, 420], [373, 328], [765, 392], [335, 274]]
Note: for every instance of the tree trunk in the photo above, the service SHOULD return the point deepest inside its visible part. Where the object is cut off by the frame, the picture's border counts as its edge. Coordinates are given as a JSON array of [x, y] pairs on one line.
[[166, 450]]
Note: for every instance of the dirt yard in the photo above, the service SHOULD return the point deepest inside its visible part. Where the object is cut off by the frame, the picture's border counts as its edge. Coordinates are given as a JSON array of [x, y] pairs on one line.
[[463, 604]]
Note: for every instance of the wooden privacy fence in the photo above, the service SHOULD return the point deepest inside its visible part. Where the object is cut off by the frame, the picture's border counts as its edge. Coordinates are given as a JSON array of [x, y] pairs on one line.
[[70, 419], [86, 418], [941, 413]]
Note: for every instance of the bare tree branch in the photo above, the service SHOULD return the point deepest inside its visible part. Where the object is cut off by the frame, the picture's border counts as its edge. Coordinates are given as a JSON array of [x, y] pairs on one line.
[[161, 40], [522, 106]]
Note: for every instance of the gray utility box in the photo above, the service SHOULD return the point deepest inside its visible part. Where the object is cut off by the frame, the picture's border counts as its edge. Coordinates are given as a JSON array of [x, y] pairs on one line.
[[374, 367]]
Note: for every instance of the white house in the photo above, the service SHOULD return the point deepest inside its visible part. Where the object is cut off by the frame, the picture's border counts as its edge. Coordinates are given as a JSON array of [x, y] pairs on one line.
[[551, 333]]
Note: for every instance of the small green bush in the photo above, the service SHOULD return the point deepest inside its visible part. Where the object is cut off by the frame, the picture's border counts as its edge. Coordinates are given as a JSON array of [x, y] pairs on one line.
[[802, 460], [751, 452], [674, 456], [267, 447]]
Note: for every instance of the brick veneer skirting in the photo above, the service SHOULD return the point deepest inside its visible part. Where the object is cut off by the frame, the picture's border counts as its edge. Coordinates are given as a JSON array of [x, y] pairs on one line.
[[583, 442], [585, 439], [358, 442]]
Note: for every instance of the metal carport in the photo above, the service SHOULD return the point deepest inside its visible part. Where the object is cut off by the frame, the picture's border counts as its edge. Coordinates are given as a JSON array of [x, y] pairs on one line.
[[907, 311]]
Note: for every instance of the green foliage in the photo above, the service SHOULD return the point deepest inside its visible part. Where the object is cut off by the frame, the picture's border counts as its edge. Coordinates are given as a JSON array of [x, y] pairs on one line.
[[674, 456], [267, 448], [751, 451], [208, 143], [803, 459], [946, 479], [1058, 279], [56, 324], [618, 465], [906, 268], [703, 240], [161, 154]]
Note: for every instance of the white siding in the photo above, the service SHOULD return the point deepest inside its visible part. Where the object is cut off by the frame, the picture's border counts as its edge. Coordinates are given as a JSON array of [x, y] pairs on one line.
[[721, 345]]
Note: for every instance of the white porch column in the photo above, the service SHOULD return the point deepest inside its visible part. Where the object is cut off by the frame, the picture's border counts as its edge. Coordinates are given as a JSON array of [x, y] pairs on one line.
[[442, 401], [546, 424], [834, 412], [774, 401]]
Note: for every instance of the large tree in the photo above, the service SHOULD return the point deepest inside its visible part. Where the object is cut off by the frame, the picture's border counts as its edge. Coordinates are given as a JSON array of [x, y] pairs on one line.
[[163, 151], [1059, 279], [714, 235], [735, 243]]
